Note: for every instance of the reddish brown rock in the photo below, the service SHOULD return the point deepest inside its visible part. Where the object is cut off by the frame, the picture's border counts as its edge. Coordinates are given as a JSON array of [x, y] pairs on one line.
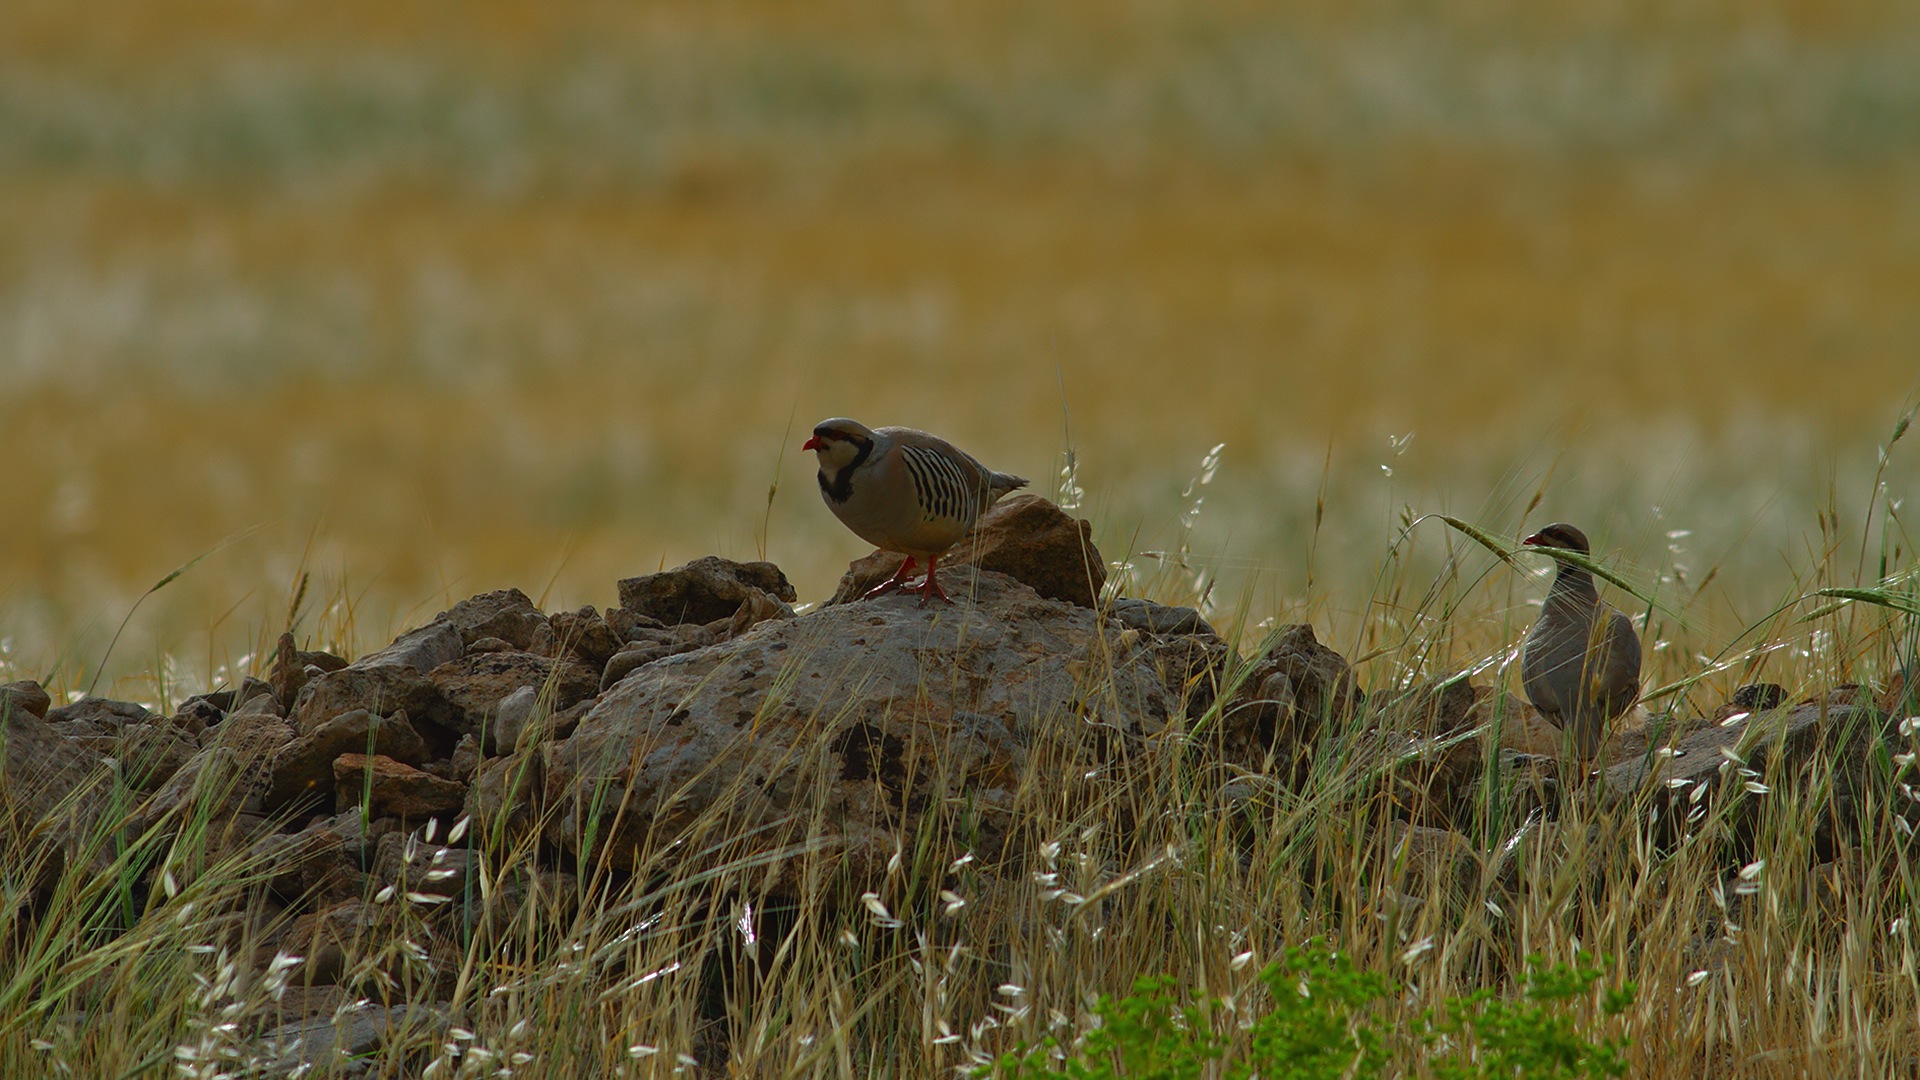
[[26, 696], [305, 766], [386, 786], [1022, 536]]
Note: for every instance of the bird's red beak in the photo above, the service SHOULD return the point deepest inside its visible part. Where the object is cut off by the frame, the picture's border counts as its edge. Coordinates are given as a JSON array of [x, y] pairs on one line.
[[1538, 540], [813, 443]]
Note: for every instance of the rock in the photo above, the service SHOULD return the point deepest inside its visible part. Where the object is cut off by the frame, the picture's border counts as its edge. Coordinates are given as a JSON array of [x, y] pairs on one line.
[[1296, 688], [505, 614], [421, 649], [226, 701], [490, 644], [151, 753], [334, 1044], [305, 766], [523, 720], [110, 715], [412, 865], [627, 625], [54, 793], [196, 715], [1759, 696], [1152, 618], [24, 696], [327, 938], [465, 759], [385, 786], [506, 794], [476, 685], [315, 864], [293, 667], [650, 645], [1686, 782], [583, 635], [230, 774], [393, 679], [1023, 536], [702, 591], [263, 705], [856, 720]]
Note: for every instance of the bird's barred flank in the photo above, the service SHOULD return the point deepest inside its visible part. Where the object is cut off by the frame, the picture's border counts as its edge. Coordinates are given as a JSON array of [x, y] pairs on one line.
[[939, 487]]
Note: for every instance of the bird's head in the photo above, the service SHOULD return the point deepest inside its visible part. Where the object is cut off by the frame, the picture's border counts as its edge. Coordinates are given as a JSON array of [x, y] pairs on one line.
[[838, 442], [1560, 535]]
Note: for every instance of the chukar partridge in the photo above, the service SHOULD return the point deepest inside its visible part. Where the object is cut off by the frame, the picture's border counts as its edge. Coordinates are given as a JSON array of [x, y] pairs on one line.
[[903, 490], [1581, 662]]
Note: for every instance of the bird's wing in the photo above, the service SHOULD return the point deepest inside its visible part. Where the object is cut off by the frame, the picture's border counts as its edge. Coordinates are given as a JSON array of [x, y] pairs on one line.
[[1615, 683]]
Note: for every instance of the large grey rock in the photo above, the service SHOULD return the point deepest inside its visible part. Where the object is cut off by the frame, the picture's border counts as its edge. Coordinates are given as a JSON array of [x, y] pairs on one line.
[[1728, 768], [859, 717], [703, 590], [361, 1031], [421, 649], [109, 714]]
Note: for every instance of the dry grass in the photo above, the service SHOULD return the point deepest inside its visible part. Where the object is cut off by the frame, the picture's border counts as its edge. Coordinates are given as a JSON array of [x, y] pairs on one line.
[[440, 298]]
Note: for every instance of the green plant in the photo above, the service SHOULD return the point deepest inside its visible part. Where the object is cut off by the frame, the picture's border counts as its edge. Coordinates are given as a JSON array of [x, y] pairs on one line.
[[1321, 1024]]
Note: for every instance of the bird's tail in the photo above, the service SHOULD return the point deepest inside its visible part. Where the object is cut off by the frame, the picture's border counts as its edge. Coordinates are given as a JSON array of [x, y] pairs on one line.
[[999, 483]]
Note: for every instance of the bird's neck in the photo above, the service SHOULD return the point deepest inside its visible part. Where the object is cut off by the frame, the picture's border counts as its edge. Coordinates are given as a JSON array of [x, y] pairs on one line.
[[1573, 585], [839, 487]]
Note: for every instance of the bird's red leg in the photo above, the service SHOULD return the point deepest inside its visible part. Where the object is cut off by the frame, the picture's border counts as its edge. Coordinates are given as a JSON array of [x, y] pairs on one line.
[[898, 579], [932, 588]]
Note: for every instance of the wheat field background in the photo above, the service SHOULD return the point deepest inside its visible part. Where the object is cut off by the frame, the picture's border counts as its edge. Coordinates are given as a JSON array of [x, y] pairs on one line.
[[417, 300]]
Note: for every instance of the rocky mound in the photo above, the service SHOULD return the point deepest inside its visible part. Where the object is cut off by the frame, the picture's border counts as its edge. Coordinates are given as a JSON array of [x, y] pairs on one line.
[[703, 705]]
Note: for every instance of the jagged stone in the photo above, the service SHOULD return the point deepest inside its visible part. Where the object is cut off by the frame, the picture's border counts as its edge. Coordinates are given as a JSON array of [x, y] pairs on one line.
[[26, 696], [55, 795], [505, 614], [702, 591], [151, 753], [1296, 688], [385, 786], [305, 766], [476, 685], [583, 635]]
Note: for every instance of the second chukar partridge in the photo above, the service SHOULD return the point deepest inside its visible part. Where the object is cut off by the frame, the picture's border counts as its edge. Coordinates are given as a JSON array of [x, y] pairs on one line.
[[903, 490], [1580, 665]]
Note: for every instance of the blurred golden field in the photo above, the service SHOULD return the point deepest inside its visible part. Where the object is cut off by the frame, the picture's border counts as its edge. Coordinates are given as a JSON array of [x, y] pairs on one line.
[[418, 300]]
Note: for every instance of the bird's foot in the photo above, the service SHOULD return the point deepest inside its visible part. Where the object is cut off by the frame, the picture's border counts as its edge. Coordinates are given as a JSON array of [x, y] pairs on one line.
[[931, 589], [896, 581]]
